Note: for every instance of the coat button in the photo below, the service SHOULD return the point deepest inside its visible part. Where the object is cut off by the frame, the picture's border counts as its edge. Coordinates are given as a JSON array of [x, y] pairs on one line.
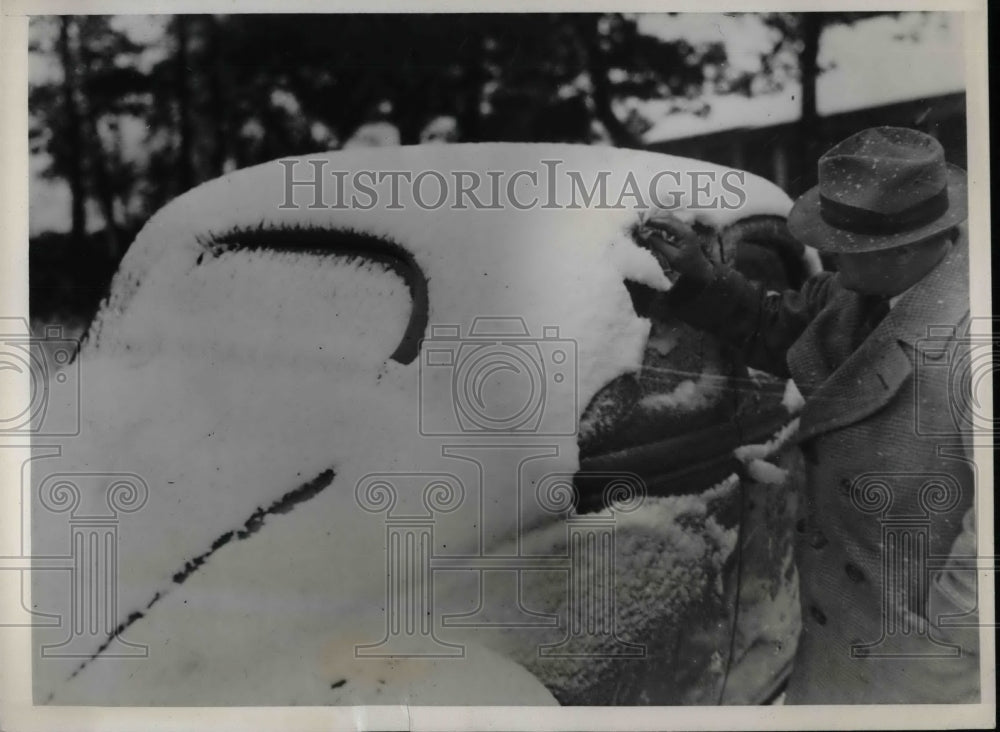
[[818, 615], [800, 526], [818, 540], [853, 573]]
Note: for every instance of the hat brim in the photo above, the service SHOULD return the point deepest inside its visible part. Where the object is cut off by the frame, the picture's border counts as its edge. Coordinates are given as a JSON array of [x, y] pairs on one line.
[[808, 226]]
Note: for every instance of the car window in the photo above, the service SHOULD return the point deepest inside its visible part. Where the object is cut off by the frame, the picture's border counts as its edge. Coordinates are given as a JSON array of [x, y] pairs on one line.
[[687, 381]]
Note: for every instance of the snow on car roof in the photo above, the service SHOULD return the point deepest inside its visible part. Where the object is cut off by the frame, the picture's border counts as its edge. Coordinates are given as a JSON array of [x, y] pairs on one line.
[[229, 379], [563, 175]]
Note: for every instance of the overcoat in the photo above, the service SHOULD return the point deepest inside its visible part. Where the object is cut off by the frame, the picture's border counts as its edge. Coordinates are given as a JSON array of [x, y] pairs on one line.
[[889, 615]]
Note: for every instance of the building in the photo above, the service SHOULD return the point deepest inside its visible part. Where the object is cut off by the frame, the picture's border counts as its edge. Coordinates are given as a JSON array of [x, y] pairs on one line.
[[772, 148]]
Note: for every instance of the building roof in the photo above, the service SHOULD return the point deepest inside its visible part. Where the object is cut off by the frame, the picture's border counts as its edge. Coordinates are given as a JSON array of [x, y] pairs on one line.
[[871, 63]]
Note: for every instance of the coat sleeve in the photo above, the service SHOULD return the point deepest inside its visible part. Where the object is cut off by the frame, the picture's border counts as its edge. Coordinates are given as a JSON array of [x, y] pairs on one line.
[[762, 325]]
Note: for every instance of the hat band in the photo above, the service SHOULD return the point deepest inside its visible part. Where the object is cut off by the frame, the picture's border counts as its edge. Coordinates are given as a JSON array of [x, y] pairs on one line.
[[863, 221]]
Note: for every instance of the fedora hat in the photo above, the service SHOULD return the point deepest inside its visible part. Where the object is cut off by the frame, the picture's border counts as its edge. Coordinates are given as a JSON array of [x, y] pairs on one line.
[[881, 188]]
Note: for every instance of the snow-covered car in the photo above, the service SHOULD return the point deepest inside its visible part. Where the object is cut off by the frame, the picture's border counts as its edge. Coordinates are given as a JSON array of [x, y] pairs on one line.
[[405, 453]]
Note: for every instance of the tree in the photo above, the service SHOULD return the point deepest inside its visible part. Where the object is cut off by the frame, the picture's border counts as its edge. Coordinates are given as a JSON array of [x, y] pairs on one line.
[[232, 91], [182, 68], [803, 32], [72, 154], [74, 118]]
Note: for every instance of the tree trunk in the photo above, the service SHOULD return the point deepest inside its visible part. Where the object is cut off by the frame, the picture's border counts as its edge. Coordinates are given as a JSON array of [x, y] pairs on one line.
[[812, 28], [470, 88], [597, 69], [97, 157], [808, 128], [74, 147], [185, 167], [217, 105]]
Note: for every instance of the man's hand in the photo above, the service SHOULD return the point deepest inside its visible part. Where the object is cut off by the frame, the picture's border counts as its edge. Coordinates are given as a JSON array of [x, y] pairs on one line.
[[679, 244]]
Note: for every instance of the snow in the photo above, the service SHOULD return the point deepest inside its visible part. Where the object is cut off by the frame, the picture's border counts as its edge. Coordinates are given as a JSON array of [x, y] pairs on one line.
[[374, 134], [907, 69], [228, 381], [748, 453], [689, 394], [766, 473], [755, 457], [443, 129], [726, 112], [792, 399], [814, 265], [368, 306], [669, 558], [746, 38], [50, 200], [916, 54]]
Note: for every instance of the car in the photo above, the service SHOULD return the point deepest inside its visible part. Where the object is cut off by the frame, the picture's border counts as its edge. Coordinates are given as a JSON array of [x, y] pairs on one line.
[[365, 444]]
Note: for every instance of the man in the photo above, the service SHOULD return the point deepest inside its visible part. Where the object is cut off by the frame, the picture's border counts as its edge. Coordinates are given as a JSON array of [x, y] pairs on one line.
[[877, 429]]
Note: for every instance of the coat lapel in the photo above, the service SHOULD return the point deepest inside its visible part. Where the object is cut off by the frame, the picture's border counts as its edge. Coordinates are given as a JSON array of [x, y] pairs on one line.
[[865, 383], [843, 387]]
